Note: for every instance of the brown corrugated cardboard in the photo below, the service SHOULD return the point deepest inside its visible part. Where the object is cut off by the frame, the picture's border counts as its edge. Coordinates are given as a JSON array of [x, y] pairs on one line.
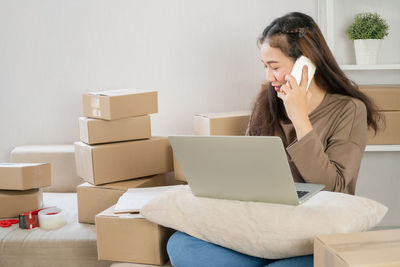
[[13, 202], [23, 176], [94, 199], [61, 159], [106, 163], [390, 135], [125, 264], [130, 238], [178, 170], [96, 131], [227, 123], [372, 249], [386, 97], [118, 104]]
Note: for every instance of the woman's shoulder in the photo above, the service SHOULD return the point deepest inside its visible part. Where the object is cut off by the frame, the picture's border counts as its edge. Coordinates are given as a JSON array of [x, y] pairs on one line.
[[348, 103]]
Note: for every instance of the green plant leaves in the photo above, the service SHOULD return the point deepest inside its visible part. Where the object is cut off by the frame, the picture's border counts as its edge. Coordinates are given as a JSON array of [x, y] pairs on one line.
[[368, 26]]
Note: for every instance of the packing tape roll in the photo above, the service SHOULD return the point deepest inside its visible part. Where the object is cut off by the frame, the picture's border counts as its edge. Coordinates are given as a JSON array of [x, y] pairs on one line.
[[52, 218]]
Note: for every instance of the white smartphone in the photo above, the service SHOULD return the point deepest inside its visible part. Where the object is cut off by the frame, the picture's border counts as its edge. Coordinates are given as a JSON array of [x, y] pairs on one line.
[[298, 67]]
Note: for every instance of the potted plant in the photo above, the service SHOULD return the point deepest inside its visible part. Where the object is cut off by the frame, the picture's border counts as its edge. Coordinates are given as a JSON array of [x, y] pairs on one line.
[[367, 31]]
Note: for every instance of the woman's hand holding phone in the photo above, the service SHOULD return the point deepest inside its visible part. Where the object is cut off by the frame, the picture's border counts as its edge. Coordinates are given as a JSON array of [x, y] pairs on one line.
[[296, 98]]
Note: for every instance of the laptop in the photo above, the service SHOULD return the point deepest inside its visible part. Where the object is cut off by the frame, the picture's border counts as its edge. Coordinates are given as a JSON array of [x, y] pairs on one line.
[[247, 168]]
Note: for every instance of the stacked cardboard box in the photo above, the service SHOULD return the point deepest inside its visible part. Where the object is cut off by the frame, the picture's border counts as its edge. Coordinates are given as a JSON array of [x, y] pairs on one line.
[[20, 185], [223, 123], [373, 249], [116, 147], [130, 238], [118, 152], [387, 99]]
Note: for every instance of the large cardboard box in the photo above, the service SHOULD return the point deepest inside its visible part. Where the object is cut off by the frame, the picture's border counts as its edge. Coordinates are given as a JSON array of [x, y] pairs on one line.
[[372, 249], [94, 199], [227, 123], [61, 159], [130, 238], [23, 176], [96, 131], [13, 202], [118, 104], [106, 163], [386, 97], [178, 170], [390, 135]]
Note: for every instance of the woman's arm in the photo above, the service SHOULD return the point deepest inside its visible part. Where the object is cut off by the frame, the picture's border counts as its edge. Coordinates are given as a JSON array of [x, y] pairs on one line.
[[337, 164]]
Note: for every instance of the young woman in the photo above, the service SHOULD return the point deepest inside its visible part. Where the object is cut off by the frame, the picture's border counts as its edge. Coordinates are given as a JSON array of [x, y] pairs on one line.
[[324, 129]]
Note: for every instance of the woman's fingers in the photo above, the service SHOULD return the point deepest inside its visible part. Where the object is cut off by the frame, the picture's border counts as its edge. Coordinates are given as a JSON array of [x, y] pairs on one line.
[[291, 81], [304, 77], [282, 96], [285, 89]]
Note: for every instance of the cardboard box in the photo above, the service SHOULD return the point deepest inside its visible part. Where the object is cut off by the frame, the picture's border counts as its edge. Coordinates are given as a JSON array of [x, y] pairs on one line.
[[390, 135], [130, 238], [96, 131], [119, 104], [372, 249], [23, 176], [178, 170], [94, 199], [61, 159], [13, 202], [386, 97], [124, 264], [106, 163], [228, 123]]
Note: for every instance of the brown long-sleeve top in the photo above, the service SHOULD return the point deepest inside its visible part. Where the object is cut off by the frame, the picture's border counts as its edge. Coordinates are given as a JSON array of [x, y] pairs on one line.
[[331, 153]]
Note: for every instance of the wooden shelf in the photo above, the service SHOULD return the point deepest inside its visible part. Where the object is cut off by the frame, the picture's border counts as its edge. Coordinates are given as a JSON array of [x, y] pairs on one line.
[[382, 148], [371, 67]]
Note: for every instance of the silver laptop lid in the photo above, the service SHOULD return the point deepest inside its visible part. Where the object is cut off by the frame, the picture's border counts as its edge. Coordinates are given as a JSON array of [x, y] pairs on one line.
[[250, 168]]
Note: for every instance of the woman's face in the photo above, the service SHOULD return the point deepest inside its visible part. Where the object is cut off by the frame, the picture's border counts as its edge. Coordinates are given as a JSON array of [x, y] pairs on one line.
[[276, 64]]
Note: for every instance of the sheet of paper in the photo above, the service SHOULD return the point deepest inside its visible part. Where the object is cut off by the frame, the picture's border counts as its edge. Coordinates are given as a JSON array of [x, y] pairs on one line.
[[135, 198]]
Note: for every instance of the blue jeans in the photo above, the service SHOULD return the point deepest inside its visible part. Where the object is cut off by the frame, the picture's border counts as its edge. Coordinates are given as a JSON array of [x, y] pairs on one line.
[[187, 251]]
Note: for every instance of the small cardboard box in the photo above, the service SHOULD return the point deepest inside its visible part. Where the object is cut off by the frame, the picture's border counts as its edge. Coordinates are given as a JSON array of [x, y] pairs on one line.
[[372, 249], [227, 123], [106, 163], [178, 170], [13, 203], [94, 199], [386, 97], [130, 238], [96, 131], [23, 176], [390, 135], [61, 159], [119, 104]]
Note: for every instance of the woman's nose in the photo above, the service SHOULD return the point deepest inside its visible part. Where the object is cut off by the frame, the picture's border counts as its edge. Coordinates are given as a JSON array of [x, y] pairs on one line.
[[270, 76]]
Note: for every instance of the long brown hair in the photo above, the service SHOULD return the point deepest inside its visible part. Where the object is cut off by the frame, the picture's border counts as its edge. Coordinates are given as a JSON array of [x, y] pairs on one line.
[[297, 34]]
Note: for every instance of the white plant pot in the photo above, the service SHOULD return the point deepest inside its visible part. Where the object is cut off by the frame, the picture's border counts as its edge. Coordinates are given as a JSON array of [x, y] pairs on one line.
[[367, 51]]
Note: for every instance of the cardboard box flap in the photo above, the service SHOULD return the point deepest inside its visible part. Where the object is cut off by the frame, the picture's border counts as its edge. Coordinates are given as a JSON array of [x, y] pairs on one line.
[[125, 185], [224, 114], [121, 92], [19, 165], [110, 213]]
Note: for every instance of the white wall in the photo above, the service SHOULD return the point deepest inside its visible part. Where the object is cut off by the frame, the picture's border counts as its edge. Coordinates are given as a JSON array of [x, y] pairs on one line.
[[201, 56]]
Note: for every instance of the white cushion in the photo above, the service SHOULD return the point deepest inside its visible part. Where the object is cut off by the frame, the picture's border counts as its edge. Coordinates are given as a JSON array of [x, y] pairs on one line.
[[72, 245], [262, 229]]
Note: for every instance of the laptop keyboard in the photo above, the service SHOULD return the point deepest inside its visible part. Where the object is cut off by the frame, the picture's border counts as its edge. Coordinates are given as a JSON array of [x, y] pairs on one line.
[[300, 194]]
